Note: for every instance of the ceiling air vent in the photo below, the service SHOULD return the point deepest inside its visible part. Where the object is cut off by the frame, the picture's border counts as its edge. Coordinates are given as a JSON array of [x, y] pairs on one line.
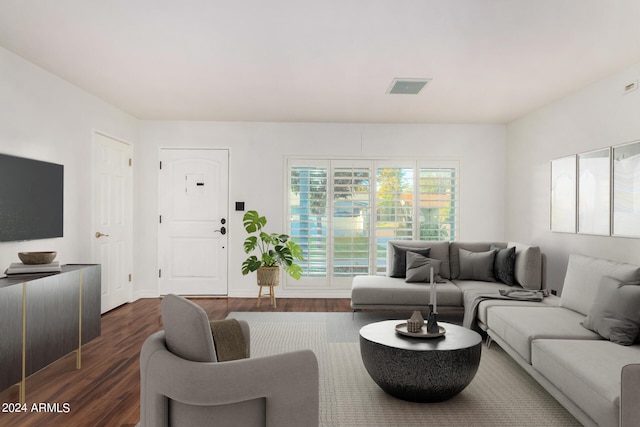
[[407, 86]]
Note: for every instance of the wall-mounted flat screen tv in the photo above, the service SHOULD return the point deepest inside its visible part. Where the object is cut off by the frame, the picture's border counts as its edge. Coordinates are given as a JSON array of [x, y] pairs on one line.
[[31, 199]]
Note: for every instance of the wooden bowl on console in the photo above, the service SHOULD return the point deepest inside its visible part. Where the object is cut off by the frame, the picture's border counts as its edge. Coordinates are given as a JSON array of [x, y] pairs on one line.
[[37, 257]]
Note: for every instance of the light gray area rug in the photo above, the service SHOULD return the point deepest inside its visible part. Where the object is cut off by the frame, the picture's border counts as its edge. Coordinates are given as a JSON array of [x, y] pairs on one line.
[[501, 394]]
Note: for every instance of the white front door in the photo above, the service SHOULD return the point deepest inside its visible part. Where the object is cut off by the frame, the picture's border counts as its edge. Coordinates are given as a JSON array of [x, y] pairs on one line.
[[193, 209], [112, 218]]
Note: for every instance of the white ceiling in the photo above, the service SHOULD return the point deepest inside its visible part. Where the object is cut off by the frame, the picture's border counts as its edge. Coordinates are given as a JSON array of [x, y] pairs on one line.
[[491, 61]]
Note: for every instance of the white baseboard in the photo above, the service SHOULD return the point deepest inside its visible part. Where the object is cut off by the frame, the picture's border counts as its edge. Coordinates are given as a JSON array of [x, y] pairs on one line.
[[280, 293], [295, 293]]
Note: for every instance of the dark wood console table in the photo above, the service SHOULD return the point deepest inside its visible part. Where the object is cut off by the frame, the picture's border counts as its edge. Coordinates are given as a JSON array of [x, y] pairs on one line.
[[44, 317]]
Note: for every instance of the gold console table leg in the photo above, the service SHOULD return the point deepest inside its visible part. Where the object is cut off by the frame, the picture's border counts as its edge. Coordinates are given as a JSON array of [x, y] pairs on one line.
[[23, 381], [79, 352]]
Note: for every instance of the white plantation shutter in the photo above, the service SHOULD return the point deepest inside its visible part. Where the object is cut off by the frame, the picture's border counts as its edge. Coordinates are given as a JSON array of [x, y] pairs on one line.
[[343, 213], [308, 189], [351, 218], [394, 219], [438, 202]]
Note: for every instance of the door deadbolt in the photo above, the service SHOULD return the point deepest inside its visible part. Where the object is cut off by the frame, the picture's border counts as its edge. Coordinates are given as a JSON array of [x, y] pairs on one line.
[[223, 221]]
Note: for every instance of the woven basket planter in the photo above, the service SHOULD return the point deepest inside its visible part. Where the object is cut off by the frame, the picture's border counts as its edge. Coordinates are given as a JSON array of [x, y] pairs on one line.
[[268, 276]]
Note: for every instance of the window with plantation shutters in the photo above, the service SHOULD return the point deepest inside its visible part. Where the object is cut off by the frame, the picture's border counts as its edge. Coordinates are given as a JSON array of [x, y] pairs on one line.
[[343, 212]]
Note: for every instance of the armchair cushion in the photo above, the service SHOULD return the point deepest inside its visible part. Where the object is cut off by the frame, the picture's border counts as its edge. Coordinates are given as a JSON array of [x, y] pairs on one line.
[[187, 330], [229, 340]]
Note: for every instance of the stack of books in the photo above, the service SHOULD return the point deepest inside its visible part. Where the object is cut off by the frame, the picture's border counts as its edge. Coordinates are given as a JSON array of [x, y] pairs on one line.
[[20, 268]]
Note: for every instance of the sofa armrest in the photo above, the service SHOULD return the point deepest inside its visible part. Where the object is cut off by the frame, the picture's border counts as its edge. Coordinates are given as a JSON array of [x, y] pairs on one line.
[[630, 395]]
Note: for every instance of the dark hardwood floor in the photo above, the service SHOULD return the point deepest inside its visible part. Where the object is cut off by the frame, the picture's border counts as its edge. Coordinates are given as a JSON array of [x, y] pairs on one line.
[[106, 391]]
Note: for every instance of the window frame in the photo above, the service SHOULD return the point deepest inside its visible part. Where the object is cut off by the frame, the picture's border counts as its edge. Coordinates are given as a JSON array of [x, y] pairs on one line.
[[331, 282]]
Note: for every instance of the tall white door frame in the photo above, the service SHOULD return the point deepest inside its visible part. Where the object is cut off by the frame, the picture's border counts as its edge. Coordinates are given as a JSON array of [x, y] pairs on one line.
[[112, 218], [193, 209]]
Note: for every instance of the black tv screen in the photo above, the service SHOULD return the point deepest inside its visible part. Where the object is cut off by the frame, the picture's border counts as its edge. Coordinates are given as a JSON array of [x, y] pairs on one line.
[[31, 199]]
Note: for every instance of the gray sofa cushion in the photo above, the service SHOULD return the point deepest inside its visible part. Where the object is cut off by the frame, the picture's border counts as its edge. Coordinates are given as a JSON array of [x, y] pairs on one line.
[[587, 371], [187, 329], [477, 265], [504, 265], [528, 266], [583, 278], [419, 268], [519, 326], [439, 250], [454, 252], [484, 306], [615, 314], [399, 265]]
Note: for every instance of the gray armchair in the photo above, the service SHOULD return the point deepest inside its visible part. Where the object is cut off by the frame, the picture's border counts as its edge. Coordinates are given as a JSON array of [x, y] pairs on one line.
[[183, 384]]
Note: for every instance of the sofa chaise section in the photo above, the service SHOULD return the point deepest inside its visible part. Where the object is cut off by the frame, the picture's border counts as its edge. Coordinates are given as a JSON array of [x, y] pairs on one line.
[[383, 292]]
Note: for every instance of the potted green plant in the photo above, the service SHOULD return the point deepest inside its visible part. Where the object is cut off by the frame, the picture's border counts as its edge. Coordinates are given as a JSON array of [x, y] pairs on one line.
[[274, 250]]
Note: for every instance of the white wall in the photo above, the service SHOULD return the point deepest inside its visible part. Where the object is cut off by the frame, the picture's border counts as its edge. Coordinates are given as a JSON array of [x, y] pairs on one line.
[[257, 152], [596, 117], [45, 118]]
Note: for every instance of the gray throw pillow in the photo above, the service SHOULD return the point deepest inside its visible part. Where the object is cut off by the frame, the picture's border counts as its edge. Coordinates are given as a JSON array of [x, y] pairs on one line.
[[399, 267], [477, 265], [419, 268], [615, 313], [504, 265]]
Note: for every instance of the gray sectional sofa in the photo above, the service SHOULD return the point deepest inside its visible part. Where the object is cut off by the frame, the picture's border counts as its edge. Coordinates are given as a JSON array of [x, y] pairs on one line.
[[586, 368]]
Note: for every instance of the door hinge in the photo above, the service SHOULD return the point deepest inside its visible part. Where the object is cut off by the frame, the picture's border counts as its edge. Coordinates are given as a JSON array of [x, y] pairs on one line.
[[130, 161], [129, 276], [160, 164], [159, 272], [160, 217]]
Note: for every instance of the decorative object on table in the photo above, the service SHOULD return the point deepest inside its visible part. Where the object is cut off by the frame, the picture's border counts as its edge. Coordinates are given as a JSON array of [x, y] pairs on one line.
[[432, 319], [415, 322], [275, 250], [402, 329], [415, 326], [31, 258]]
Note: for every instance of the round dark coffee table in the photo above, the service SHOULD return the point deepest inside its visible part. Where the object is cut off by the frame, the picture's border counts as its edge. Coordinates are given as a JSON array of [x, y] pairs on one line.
[[420, 369]]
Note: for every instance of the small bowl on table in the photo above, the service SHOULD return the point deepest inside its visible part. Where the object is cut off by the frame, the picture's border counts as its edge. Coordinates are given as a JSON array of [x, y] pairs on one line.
[[32, 258]]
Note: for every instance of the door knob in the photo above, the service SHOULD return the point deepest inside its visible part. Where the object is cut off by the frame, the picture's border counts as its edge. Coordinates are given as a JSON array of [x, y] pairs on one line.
[[222, 231], [99, 235]]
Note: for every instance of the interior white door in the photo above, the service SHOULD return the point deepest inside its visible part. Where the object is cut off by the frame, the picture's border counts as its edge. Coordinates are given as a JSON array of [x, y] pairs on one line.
[[193, 207], [112, 218]]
